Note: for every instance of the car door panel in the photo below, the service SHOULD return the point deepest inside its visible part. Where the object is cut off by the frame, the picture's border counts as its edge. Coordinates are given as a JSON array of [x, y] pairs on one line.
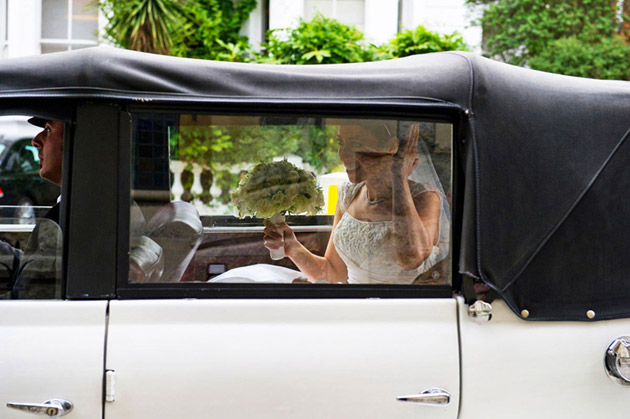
[[52, 350], [554, 368], [281, 358]]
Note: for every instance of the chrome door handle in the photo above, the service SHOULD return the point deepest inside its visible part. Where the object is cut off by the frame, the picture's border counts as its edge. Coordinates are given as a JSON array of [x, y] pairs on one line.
[[50, 408], [432, 396]]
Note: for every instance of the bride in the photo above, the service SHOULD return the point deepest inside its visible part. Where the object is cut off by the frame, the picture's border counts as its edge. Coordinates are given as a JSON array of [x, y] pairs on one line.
[[387, 228]]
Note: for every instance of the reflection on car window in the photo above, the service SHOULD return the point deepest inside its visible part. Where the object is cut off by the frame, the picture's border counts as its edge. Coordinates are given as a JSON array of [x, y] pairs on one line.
[[39, 275], [259, 199], [30, 261], [12, 161], [28, 160]]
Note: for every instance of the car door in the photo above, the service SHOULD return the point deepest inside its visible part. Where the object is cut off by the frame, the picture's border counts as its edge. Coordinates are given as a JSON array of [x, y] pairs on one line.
[[263, 339], [51, 350], [281, 358], [512, 368]]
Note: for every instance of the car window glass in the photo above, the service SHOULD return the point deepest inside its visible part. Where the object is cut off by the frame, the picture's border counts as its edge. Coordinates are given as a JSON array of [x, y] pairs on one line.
[[30, 260], [30, 241], [39, 271], [28, 160], [12, 159], [205, 186]]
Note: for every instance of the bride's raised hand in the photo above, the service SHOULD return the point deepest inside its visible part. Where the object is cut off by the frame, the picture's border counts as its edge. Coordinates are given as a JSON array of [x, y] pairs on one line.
[[406, 157]]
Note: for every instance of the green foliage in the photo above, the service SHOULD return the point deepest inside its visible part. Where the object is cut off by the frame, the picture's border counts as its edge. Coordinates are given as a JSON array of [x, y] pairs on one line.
[[517, 30], [607, 59], [221, 147], [142, 25], [421, 41], [211, 30], [192, 144], [320, 41], [319, 148], [327, 41], [207, 29], [232, 145]]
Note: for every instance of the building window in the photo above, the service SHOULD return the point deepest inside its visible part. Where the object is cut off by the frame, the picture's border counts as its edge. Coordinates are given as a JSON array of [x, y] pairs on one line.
[[350, 12], [68, 25]]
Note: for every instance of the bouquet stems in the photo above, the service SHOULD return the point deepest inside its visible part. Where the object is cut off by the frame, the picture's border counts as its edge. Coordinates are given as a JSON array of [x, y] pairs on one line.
[[278, 253]]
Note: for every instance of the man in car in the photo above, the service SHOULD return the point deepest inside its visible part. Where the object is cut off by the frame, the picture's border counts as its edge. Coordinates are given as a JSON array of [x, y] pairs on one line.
[[49, 144]]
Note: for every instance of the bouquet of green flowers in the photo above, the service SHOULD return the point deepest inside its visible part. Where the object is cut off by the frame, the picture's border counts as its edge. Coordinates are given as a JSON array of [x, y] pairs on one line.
[[270, 190]]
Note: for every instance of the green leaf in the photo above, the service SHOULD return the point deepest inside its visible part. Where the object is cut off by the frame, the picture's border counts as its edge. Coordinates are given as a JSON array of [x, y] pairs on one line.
[[320, 41], [319, 55]]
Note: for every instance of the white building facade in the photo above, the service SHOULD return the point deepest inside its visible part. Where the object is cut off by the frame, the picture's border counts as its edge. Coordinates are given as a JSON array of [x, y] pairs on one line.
[[31, 27], [380, 20]]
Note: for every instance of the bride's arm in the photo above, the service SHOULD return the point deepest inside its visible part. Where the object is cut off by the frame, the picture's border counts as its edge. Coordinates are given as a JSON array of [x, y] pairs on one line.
[[415, 220], [329, 268]]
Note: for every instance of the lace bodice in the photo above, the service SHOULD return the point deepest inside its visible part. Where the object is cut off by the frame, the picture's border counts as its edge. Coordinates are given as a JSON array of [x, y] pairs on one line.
[[366, 247]]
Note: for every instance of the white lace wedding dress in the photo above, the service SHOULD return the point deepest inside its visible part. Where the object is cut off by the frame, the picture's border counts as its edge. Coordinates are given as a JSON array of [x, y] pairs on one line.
[[367, 247]]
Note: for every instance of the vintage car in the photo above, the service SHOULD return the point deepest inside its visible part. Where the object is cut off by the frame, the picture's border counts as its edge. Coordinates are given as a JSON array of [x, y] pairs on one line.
[[154, 298]]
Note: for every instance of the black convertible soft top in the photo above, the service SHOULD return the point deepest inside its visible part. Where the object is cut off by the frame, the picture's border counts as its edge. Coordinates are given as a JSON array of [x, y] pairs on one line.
[[546, 214]]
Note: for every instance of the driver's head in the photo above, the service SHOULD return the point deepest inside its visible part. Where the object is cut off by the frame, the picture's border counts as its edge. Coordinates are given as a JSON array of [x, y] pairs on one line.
[[49, 144]]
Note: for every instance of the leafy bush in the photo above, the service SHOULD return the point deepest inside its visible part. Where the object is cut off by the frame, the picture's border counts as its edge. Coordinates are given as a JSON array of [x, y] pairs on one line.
[[420, 41], [222, 147], [517, 30], [211, 30], [320, 41], [232, 145], [607, 59], [144, 25], [207, 29]]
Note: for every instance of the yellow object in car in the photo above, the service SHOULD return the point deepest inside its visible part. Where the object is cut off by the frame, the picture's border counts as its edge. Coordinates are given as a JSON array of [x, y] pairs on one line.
[[333, 195]]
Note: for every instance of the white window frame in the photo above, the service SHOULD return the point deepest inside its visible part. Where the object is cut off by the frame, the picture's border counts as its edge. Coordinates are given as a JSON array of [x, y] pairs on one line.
[[69, 41]]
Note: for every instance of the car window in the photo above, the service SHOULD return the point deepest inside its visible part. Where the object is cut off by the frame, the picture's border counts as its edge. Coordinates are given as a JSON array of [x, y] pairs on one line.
[[30, 258], [218, 198], [30, 238]]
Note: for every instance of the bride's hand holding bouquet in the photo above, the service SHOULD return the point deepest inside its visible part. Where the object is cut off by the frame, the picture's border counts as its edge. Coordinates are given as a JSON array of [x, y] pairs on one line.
[[271, 190]]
